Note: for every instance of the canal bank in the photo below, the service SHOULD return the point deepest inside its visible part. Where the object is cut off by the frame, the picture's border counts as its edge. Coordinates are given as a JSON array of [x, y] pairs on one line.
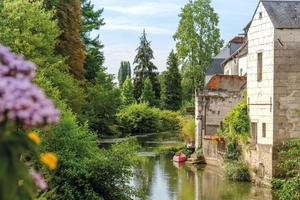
[[161, 179]]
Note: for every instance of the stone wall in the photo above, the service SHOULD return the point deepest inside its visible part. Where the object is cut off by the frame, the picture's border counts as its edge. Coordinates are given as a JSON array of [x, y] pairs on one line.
[[286, 90], [212, 106], [213, 151]]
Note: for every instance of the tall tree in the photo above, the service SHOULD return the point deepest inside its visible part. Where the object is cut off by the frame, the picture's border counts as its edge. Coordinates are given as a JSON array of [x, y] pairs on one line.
[[171, 93], [70, 44], [29, 29], [148, 95], [197, 41], [128, 92], [92, 20], [124, 72], [145, 68]]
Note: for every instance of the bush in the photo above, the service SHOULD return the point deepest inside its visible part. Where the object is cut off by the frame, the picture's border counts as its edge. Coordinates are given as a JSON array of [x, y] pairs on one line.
[[187, 152], [237, 170], [140, 118], [289, 188], [169, 120], [237, 124], [84, 171], [188, 125]]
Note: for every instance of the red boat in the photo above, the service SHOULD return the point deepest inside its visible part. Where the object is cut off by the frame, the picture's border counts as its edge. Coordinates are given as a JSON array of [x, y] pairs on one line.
[[179, 158]]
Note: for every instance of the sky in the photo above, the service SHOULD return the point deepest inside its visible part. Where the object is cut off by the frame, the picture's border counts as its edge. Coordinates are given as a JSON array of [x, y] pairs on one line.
[[126, 19]]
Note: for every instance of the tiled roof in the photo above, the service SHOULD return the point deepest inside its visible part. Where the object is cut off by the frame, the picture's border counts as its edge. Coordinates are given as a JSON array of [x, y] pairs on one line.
[[283, 14], [224, 53], [215, 67]]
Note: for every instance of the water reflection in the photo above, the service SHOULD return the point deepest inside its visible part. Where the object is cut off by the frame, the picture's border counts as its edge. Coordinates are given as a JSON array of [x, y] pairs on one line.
[[163, 180]]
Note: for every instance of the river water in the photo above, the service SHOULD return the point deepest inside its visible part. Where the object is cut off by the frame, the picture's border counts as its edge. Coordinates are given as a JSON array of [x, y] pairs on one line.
[[162, 179]]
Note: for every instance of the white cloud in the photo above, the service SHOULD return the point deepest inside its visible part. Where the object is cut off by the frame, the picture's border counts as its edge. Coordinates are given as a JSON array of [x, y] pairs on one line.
[[148, 8], [122, 24]]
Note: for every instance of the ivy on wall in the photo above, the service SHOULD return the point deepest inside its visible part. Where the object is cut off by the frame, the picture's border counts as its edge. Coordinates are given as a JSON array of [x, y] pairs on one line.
[[236, 125]]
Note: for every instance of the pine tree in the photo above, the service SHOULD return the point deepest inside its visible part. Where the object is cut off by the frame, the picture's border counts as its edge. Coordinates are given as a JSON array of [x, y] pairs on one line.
[[171, 94], [70, 45], [124, 72], [145, 68], [92, 20], [128, 92], [148, 95]]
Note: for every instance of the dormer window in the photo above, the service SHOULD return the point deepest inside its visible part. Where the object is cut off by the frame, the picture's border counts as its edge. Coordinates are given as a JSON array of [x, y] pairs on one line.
[[260, 15]]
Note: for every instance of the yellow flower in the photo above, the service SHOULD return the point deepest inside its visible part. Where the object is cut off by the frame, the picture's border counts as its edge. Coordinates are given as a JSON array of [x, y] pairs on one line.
[[49, 159], [34, 137]]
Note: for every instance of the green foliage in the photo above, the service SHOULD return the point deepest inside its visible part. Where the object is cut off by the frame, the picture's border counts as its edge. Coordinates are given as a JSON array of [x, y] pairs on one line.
[[104, 102], [124, 72], [197, 41], [13, 143], [145, 68], [289, 188], [171, 91], [128, 92], [236, 124], [187, 152], [169, 120], [148, 95], [28, 29], [37, 42], [188, 126], [237, 170], [92, 21], [140, 118], [232, 153], [84, 171]]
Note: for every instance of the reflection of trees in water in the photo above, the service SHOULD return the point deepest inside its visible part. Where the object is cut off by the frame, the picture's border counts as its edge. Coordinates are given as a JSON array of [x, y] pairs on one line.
[[144, 173]]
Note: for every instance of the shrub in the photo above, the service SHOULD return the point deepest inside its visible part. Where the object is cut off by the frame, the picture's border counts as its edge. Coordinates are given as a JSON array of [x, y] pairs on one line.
[[169, 120], [237, 124], [289, 188], [140, 118], [237, 170], [188, 125]]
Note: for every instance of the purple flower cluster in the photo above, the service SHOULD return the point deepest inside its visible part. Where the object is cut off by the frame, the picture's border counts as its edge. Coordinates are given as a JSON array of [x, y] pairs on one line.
[[20, 99], [39, 181]]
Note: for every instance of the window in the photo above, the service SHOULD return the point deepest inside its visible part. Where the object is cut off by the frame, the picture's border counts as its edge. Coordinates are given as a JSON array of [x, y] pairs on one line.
[[260, 15], [254, 133], [259, 66], [264, 132]]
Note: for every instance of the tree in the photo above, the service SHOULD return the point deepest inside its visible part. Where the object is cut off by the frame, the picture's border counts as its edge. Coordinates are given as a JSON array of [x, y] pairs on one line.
[[29, 29], [128, 92], [92, 21], [171, 92], [124, 72], [148, 95], [104, 101], [70, 45], [145, 68], [197, 41]]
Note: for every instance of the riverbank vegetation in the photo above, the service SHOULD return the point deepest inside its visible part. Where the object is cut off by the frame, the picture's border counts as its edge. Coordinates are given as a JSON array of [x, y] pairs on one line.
[[236, 130], [288, 187]]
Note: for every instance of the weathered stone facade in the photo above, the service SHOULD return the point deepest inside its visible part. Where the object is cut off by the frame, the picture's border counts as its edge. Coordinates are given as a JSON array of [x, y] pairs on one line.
[[273, 99], [214, 102], [272, 65]]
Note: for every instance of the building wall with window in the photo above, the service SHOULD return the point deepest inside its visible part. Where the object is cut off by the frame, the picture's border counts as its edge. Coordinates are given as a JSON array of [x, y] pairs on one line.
[[260, 91]]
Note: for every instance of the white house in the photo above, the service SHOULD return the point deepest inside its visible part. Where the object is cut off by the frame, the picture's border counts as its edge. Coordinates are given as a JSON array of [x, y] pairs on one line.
[[273, 82]]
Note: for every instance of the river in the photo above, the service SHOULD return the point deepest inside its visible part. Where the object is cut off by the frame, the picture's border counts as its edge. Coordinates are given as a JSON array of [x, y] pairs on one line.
[[162, 179]]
